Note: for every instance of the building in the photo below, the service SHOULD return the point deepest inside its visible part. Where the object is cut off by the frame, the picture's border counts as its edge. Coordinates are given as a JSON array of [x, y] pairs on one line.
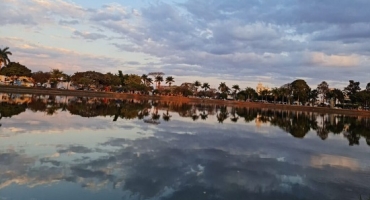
[[260, 88]]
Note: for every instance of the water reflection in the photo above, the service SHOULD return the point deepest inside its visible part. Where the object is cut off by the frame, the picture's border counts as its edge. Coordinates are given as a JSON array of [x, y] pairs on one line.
[[296, 123], [89, 148]]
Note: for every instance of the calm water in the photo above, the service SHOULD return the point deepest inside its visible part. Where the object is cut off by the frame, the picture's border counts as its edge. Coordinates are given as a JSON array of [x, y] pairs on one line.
[[79, 148]]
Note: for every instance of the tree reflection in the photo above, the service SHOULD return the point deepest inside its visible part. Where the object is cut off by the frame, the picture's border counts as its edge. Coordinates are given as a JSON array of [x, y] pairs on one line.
[[296, 123], [166, 116], [222, 115]]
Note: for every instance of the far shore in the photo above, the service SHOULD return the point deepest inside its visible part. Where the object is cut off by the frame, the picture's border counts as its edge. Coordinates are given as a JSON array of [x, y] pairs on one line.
[[59, 92]]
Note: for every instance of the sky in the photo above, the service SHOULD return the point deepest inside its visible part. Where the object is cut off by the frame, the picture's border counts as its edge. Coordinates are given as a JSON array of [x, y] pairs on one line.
[[234, 41]]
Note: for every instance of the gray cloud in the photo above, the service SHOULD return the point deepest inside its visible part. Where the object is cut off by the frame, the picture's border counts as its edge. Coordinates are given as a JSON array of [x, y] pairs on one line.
[[68, 22], [233, 38]]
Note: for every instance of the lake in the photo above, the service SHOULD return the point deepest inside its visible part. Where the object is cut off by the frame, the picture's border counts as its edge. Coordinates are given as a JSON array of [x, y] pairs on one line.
[[54, 147]]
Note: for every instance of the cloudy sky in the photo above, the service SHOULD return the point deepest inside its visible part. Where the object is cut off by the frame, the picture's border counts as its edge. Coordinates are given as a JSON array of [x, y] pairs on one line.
[[239, 42]]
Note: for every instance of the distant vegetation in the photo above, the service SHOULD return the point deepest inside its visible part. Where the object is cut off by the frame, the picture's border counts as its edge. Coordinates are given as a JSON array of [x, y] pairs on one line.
[[297, 91]]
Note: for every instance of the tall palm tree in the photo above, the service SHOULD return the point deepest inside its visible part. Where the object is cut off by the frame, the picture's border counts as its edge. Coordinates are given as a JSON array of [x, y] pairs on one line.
[[149, 81], [223, 87], [158, 80], [170, 80], [276, 93], [4, 56], [236, 88], [265, 93], [144, 78], [197, 84], [205, 86]]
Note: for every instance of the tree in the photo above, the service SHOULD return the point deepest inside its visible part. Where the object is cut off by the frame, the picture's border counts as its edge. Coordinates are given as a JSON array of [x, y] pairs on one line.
[[264, 93], [363, 97], [249, 92], [236, 88], [197, 84], [300, 90], [15, 69], [85, 81], [223, 88], [170, 80], [368, 87], [149, 81], [144, 78], [40, 77], [206, 86], [4, 56], [312, 96], [158, 80], [56, 74], [286, 91], [133, 82], [275, 93], [351, 90], [122, 77], [323, 89], [337, 94]]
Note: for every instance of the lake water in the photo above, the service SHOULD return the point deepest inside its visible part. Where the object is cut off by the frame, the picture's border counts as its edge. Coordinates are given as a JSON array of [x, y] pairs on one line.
[[89, 148]]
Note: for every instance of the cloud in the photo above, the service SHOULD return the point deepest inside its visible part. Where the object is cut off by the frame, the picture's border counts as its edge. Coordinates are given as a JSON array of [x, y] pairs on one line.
[[68, 22], [89, 36], [334, 60], [216, 39]]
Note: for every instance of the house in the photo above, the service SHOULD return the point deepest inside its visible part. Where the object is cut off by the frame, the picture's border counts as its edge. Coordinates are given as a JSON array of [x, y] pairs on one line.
[[25, 81], [65, 85], [4, 80]]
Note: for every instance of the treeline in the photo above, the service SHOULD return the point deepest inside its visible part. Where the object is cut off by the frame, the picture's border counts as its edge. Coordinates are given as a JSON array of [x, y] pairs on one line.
[[296, 91]]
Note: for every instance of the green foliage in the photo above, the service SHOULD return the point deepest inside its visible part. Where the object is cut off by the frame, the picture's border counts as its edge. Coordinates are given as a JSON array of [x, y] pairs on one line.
[[40, 77], [351, 90], [185, 91], [223, 88], [158, 80], [15, 69], [363, 97], [300, 90], [323, 89], [336, 94], [206, 86], [170, 80]]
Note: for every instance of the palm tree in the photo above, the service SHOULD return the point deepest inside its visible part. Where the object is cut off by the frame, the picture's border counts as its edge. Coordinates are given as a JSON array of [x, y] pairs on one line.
[[250, 92], [149, 81], [4, 56], [276, 93], [265, 93], [197, 84], [158, 80], [203, 115], [144, 78], [170, 80], [205, 86], [236, 88], [223, 87], [166, 116]]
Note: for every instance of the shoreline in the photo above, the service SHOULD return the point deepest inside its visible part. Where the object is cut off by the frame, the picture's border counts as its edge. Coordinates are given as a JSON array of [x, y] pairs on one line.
[[272, 106]]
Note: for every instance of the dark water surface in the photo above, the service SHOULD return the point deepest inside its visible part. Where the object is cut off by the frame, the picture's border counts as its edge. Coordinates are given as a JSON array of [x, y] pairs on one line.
[[79, 148]]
